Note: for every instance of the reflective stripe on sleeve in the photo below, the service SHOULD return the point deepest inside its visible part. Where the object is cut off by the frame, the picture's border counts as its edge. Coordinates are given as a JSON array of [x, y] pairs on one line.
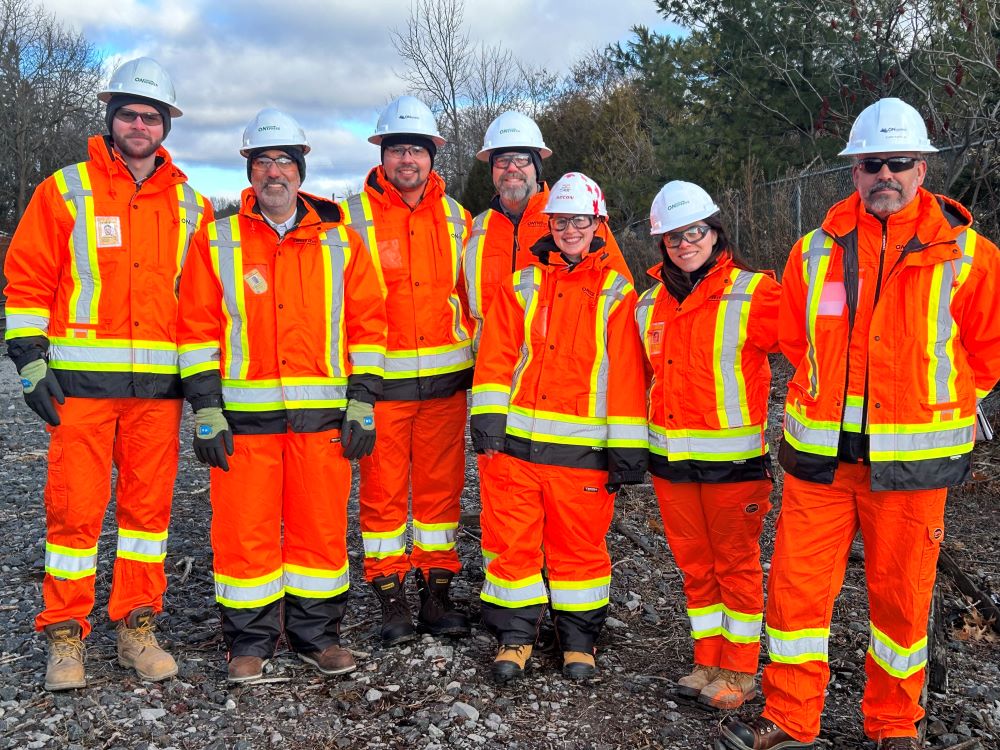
[[197, 358], [490, 399], [26, 321]]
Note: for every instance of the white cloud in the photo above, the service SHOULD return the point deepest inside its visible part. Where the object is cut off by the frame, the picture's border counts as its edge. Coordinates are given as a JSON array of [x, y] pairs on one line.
[[329, 63]]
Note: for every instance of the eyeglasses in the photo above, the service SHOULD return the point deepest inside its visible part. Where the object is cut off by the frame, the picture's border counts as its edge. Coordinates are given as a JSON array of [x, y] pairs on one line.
[[562, 223], [148, 118], [505, 160], [264, 163], [690, 235], [399, 152], [873, 165]]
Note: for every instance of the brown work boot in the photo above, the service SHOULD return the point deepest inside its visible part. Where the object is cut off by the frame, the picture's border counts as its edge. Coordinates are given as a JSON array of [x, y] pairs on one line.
[[578, 665], [331, 660], [728, 690], [898, 743], [64, 670], [245, 669], [511, 662], [138, 649], [758, 734], [691, 685]]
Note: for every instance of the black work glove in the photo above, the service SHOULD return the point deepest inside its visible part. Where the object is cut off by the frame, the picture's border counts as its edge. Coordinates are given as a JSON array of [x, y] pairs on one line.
[[213, 440], [357, 433], [40, 387]]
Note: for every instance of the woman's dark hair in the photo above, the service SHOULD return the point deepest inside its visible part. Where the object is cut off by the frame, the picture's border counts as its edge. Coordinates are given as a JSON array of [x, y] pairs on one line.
[[680, 284]]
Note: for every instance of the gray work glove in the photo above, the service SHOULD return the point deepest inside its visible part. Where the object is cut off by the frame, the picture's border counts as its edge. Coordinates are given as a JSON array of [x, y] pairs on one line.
[[213, 440], [40, 387], [357, 432]]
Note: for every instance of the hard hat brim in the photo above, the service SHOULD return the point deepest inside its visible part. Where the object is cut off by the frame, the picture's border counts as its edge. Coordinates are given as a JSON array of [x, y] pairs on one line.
[[105, 96], [861, 150], [435, 139], [484, 154]]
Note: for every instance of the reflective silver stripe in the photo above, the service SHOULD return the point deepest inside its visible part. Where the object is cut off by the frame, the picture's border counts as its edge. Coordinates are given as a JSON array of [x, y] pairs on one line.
[[820, 247], [897, 660], [621, 434], [718, 447], [944, 324], [386, 543], [527, 282], [644, 309], [244, 396], [569, 428], [853, 412], [29, 322], [612, 293], [821, 440], [410, 363], [295, 393], [70, 563], [251, 592], [488, 399], [521, 593], [571, 596], [236, 395], [433, 536], [65, 355], [799, 646], [315, 583], [367, 360], [360, 221], [224, 247], [191, 212], [336, 250], [705, 621], [894, 446], [738, 627], [471, 268], [142, 546], [199, 358], [83, 245], [454, 215], [733, 338]]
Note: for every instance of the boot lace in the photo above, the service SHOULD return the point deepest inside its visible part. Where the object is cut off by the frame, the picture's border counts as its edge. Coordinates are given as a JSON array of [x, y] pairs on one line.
[[142, 634], [67, 648], [518, 650]]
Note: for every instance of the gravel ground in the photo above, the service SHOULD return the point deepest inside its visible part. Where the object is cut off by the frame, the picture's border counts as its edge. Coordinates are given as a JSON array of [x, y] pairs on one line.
[[437, 693]]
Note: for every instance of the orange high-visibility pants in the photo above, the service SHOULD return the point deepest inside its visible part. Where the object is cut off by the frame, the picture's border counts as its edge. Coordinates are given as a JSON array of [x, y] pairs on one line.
[[713, 531], [279, 526], [902, 534], [140, 437], [420, 450], [567, 513]]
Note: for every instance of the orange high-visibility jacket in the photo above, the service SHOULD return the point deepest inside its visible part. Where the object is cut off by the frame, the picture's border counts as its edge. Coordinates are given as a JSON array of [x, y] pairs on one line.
[[281, 333], [710, 375], [92, 274], [559, 376], [900, 363], [418, 256], [498, 247]]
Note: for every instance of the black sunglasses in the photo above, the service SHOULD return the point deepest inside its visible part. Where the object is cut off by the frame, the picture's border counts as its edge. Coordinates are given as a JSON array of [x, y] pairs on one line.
[[873, 165]]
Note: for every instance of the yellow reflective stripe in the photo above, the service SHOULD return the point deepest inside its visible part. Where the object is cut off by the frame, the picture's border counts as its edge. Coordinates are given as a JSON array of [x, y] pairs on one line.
[[910, 442], [142, 546], [437, 360], [201, 357], [526, 283], [815, 262], [289, 393], [734, 444], [227, 263], [473, 270], [899, 661], [798, 646], [358, 215], [580, 596], [27, 321], [457, 231], [740, 627], [74, 184], [366, 359], [730, 336], [247, 593], [70, 562], [810, 435], [379, 544], [644, 313], [705, 621], [513, 594], [613, 291], [315, 583], [113, 355], [535, 424], [490, 398], [190, 212], [434, 536]]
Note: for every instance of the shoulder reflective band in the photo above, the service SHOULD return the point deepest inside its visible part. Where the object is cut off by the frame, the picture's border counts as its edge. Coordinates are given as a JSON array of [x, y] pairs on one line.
[[315, 583], [142, 546], [249, 593], [942, 331], [358, 216], [514, 594], [798, 646], [730, 335], [580, 596], [72, 563], [380, 544], [457, 232], [74, 184], [473, 270], [227, 262]]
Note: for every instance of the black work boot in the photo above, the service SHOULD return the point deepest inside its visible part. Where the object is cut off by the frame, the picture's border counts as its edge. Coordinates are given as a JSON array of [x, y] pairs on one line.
[[438, 615], [397, 626]]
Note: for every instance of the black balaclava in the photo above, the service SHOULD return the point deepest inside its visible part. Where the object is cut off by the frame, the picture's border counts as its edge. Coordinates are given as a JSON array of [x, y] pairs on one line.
[[118, 101], [294, 152], [409, 139]]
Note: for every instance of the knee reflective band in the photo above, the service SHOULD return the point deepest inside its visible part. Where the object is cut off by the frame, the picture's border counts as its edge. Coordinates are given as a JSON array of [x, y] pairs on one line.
[[379, 544], [67, 562], [247, 593], [514, 594], [798, 646], [142, 546], [899, 661]]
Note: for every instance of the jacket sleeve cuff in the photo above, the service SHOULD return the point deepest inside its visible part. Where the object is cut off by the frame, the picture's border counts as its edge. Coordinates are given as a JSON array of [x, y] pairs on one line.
[[626, 477], [367, 388], [26, 349]]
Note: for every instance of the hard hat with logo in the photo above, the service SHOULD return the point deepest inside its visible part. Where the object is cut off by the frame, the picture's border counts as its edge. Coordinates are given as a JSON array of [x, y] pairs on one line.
[[679, 203], [510, 131], [575, 193], [271, 128], [407, 115], [887, 126], [142, 77]]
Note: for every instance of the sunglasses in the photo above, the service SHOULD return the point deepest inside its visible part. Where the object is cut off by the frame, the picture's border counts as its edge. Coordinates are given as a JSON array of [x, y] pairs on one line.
[[148, 118], [873, 165], [690, 235]]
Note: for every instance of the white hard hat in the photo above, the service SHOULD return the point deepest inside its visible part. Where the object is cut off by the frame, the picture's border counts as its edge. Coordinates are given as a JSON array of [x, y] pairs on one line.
[[144, 77], [887, 126], [407, 115], [679, 203], [271, 128], [575, 193], [512, 130]]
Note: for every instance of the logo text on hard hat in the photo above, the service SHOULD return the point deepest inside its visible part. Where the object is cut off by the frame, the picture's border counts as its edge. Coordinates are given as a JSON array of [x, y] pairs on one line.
[[509, 130], [408, 117], [262, 128], [892, 130], [672, 206], [145, 81]]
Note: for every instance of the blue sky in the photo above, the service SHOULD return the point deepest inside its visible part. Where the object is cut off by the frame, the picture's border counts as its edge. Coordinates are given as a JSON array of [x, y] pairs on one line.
[[329, 63]]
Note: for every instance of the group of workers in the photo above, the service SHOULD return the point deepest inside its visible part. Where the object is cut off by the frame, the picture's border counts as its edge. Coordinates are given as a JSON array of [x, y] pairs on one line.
[[306, 333]]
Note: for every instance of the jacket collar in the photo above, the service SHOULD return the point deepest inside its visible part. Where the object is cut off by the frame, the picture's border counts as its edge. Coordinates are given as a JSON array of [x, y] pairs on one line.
[[101, 153], [310, 209]]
